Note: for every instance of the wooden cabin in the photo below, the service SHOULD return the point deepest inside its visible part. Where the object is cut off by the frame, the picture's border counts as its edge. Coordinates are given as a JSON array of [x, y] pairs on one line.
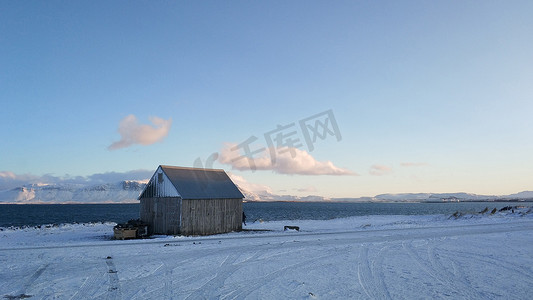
[[191, 201]]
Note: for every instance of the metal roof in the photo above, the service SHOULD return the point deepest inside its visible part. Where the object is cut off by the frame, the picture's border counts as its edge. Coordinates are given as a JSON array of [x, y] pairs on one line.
[[197, 183]]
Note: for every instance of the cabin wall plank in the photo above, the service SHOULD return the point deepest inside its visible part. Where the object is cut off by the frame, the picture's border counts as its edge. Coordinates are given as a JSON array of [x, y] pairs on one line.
[[173, 215], [211, 216], [163, 214]]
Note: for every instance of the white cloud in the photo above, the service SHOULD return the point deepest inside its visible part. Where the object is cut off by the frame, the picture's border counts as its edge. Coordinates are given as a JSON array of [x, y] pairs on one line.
[[246, 186], [287, 161], [260, 192], [132, 132], [138, 175], [379, 170], [7, 175], [10, 180]]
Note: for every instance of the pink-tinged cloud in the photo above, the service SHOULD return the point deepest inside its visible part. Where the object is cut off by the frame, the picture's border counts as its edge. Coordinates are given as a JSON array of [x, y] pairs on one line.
[[413, 164], [260, 192], [246, 186], [132, 132], [9, 180], [286, 161], [7, 175], [380, 170]]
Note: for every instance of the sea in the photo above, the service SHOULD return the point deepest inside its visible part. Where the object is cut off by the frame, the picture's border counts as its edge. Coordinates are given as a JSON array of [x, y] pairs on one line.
[[12, 215]]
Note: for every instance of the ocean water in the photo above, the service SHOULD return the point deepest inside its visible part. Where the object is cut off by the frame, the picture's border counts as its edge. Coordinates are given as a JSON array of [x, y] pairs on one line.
[[42, 214], [276, 211]]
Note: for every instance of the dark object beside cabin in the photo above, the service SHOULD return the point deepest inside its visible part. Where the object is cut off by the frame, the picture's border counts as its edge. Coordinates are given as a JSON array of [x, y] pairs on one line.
[[134, 229], [191, 201], [285, 228]]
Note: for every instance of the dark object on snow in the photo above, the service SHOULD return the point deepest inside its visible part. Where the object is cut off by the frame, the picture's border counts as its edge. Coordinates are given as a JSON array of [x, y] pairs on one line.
[[124, 233], [131, 230], [494, 211], [285, 228], [21, 296], [506, 208], [244, 218], [484, 211]]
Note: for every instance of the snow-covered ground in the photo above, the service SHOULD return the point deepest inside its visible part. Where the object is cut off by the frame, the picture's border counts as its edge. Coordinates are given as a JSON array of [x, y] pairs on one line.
[[373, 257]]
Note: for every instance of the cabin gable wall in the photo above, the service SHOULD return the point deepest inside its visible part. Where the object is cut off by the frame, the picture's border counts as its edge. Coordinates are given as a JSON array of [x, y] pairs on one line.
[[159, 186], [162, 214]]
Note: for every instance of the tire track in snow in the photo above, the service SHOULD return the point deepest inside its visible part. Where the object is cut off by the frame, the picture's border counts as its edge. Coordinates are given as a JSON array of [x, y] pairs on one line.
[[458, 283], [363, 272], [509, 266], [228, 267], [21, 293], [247, 287], [370, 274], [113, 291], [225, 268], [180, 286], [163, 292], [166, 290], [88, 284], [91, 285], [3, 262], [378, 267], [435, 260], [170, 285]]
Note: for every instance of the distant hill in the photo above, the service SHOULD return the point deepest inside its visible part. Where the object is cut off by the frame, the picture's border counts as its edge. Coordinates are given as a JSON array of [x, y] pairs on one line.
[[522, 195], [127, 192], [439, 197], [120, 192]]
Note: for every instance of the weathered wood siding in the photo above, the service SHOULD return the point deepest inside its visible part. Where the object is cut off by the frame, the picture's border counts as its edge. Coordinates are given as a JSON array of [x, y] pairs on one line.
[[163, 214], [211, 216]]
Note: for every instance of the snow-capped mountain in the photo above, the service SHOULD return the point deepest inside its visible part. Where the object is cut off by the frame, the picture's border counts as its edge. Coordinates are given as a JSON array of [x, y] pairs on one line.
[[267, 196], [120, 192], [439, 197], [127, 191], [522, 195]]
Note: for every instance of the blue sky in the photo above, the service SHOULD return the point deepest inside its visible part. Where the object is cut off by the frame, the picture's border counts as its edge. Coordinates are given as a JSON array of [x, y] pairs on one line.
[[428, 96]]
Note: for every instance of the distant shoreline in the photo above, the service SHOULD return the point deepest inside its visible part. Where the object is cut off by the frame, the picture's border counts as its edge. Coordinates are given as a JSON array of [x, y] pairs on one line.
[[391, 201], [293, 201]]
